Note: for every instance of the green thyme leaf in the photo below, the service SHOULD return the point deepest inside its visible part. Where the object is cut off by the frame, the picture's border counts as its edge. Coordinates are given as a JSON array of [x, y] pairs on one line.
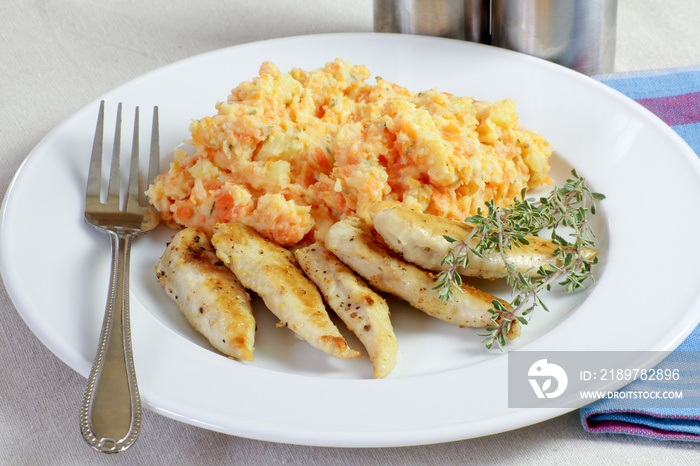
[[503, 228]]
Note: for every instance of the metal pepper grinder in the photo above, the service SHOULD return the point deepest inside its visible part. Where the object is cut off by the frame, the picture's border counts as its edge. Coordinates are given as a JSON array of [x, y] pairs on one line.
[[579, 34], [443, 18]]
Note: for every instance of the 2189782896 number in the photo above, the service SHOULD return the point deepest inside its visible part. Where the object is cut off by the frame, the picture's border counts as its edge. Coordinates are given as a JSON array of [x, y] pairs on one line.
[[634, 374]]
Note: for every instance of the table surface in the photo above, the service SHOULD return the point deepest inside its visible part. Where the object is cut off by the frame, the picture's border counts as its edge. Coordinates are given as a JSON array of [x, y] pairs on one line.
[[55, 56]]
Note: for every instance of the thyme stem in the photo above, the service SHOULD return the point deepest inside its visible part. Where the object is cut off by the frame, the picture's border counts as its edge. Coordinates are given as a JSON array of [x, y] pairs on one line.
[[501, 229]]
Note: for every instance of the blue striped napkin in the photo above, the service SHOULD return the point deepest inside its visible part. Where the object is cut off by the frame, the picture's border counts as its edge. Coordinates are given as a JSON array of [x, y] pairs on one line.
[[674, 96]]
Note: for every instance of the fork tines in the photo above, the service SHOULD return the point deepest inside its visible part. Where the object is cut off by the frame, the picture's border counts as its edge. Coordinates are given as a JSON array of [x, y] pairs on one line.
[[134, 191]]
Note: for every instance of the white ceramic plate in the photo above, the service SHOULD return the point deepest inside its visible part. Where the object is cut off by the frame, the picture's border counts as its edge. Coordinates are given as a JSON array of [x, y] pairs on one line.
[[446, 386]]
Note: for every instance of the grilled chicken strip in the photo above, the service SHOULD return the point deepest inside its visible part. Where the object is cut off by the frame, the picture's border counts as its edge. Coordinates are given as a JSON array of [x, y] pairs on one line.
[[364, 252], [207, 293], [420, 239], [272, 272], [364, 312]]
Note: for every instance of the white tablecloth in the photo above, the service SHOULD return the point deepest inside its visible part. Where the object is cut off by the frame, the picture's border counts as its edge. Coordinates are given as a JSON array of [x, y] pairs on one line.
[[55, 56]]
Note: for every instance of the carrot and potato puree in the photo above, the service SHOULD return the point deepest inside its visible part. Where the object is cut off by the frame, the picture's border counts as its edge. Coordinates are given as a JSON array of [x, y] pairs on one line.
[[289, 154]]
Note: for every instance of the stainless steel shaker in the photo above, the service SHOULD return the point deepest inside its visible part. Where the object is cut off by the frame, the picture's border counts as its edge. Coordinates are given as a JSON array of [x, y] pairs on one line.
[[443, 18], [579, 34]]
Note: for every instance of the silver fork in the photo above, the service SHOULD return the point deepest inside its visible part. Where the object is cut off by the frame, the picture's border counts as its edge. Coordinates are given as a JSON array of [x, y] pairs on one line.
[[110, 412]]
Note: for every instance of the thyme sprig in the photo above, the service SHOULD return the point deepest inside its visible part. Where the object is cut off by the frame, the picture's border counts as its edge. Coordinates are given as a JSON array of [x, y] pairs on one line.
[[503, 228]]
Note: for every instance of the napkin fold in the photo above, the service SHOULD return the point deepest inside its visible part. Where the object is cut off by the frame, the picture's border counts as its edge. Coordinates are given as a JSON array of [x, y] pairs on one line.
[[674, 96]]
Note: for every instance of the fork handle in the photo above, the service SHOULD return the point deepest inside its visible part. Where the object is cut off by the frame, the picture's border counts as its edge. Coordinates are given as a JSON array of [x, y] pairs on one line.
[[110, 413]]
